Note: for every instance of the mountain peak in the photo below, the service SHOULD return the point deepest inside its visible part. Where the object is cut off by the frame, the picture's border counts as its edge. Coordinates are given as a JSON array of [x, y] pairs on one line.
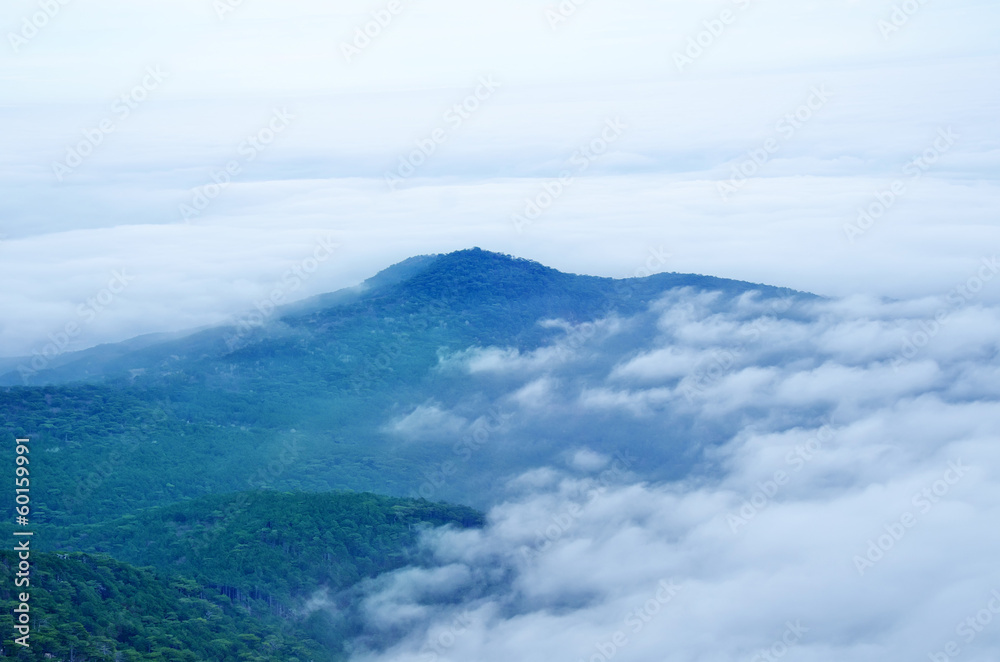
[[475, 270]]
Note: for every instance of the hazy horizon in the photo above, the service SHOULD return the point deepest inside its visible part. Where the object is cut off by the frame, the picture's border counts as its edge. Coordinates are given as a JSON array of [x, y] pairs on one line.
[[833, 99]]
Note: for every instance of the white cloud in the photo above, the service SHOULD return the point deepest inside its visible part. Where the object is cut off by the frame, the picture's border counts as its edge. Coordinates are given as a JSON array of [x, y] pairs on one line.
[[794, 560], [428, 422], [535, 394], [657, 186], [851, 503], [588, 460], [660, 364]]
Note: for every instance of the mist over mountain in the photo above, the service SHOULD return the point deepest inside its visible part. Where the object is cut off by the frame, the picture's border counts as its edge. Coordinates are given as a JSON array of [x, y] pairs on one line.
[[670, 467], [495, 296], [362, 389], [836, 503], [722, 383]]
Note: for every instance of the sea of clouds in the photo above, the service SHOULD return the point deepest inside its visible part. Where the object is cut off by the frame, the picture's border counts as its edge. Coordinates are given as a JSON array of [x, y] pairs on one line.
[[801, 147], [843, 505]]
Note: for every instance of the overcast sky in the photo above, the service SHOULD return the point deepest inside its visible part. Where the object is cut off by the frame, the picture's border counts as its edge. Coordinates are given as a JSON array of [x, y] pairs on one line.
[[834, 98]]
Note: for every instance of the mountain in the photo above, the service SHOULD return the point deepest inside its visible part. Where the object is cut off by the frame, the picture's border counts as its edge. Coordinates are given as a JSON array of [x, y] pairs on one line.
[[248, 485], [497, 297], [352, 391]]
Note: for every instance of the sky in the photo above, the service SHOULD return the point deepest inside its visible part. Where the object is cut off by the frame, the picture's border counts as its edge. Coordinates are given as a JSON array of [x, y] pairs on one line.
[[742, 139]]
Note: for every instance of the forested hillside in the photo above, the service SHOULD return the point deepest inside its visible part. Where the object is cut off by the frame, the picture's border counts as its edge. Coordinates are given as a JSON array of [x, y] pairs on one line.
[[226, 577], [301, 401], [88, 607], [270, 546], [216, 496]]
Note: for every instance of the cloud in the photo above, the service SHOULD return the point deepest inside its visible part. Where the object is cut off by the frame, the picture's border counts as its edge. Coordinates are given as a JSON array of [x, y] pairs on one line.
[[846, 514], [482, 360], [428, 422], [512, 360], [637, 402], [597, 580], [659, 364], [395, 603], [535, 394], [326, 173], [589, 461]]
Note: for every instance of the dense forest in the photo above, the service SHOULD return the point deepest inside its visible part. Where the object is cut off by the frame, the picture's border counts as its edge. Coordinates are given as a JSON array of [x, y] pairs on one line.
[[278, 547], [89, 607], [226, 577]]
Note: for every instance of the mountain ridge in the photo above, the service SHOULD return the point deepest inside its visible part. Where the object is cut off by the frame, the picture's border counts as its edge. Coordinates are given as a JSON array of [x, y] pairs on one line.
[[458, 276], [372, 392]]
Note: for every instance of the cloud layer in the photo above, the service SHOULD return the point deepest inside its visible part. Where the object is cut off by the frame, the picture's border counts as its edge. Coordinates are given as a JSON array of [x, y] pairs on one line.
[[744, 115], [848, 513]]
